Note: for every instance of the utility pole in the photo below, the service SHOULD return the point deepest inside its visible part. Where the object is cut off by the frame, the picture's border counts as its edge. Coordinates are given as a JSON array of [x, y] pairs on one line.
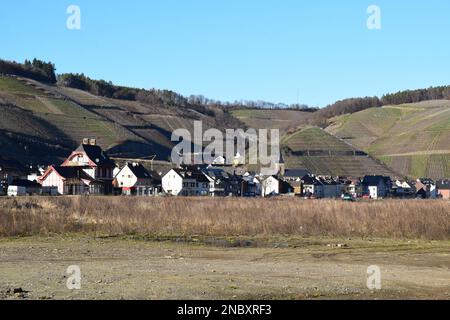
[[151, 161]]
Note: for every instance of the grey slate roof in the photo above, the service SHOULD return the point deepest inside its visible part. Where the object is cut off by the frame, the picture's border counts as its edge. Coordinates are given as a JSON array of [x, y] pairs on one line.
[[375, 180], [296, 173], [72, 173], [96, 154]]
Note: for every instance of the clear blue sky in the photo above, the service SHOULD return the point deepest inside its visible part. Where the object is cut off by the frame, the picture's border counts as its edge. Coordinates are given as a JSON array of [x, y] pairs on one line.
[[272, 50]]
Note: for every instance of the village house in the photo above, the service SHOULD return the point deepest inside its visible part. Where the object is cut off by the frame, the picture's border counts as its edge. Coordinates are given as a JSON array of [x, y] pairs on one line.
[[312, 187], [94, 162], [88, 170], [376, 187], [134, 179], [403, 189], [241, 185], [251, 185], [30, 188], [237, 183], [225, 183], [292, 187], [293, 177], [320, 187], [426, 189], [331, 187], [70, 181], [188, 181], [295, 174], [443, 187], [270, 186], [353, 188], [217, 181]]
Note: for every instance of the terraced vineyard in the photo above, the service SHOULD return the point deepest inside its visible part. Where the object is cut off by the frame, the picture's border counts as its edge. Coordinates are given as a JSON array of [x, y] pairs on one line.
[[285, 120], [36, 114], [69, 122], [413, 139], [57, 119], [322, 153]]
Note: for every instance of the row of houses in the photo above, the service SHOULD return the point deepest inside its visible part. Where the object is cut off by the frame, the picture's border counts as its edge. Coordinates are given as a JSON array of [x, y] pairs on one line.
[[89, 170], [212, 181]]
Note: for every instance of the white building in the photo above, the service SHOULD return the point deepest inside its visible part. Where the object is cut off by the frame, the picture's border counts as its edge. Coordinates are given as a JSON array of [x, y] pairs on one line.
[[187, 182], [134, 179], [270, 186]]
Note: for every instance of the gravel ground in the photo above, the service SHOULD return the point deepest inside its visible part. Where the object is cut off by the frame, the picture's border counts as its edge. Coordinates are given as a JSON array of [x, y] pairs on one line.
[[119, 268]]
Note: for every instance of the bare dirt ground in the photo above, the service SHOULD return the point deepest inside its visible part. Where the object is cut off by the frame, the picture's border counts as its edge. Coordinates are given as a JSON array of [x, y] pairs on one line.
[[123, 268]]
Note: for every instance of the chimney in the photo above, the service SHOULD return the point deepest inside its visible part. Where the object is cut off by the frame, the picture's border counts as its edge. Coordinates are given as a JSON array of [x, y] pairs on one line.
[[85, 141], [92, 142]]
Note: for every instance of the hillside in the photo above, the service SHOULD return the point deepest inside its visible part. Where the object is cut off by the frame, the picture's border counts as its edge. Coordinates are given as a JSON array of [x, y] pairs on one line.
[[42, 123], [322, 153], [312, 148], [413, 139], [285, 120]]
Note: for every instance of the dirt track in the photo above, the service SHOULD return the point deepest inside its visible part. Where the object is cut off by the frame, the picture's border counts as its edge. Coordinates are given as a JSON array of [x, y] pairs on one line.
[[132, 269]]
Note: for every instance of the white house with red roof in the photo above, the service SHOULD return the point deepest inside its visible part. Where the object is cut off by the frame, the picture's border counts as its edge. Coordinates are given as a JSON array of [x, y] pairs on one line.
[[87, 170]]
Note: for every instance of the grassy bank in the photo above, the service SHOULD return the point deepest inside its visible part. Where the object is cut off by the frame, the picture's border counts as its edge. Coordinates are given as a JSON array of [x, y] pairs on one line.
[[224, 217]]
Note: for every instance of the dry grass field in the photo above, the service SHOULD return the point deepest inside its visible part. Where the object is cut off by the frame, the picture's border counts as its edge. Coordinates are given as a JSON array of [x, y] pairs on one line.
[[224, 217], [190, 248]]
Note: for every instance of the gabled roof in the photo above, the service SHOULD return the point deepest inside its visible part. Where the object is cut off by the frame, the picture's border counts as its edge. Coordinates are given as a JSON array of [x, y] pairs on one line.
[[426, 181], [96, 154], [200, 176], [296, 173], [310, 180], [443, 184], [328, 181], [216, 174], [72, 173], [375, 180], [139, 171], [293, 184], [25, 183], [142, 173], [196, 174], [67, 173]]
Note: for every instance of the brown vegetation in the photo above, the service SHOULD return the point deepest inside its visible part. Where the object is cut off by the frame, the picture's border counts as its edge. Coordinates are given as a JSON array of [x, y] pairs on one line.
[[224, 217]]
